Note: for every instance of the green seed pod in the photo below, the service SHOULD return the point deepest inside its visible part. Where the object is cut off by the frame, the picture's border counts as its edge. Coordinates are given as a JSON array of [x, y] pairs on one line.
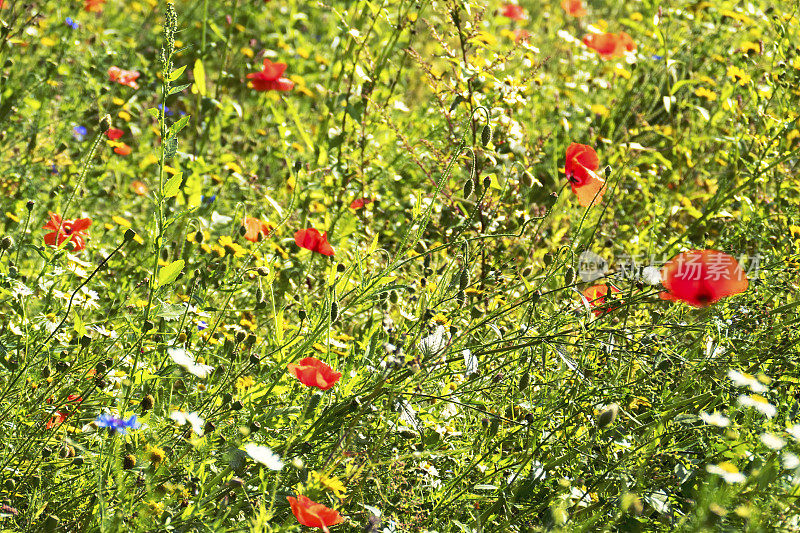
[[334, 311], [461, 297], [463, 279], [301, 314], [607, 417], [46, 372], [240, 336], [198, 237], [468, 187], [105, 123], [259, 295], [6, 243], [526, 272], [494, 425], [243, 231], [393, 296], [524, 379], [569, 275], [486, 135], [526, 179], [487, 181], [548, 259]]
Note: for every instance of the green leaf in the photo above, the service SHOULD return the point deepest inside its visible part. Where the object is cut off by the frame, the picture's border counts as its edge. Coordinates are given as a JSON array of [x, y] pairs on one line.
[[178, 88], [178, 126], [173, 185], [154, 112], [175, 74], [170, 273], [170, 147], [80, 328], [199, 78]]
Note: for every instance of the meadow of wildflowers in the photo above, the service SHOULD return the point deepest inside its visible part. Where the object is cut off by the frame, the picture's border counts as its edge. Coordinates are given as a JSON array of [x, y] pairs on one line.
[[399, 265]]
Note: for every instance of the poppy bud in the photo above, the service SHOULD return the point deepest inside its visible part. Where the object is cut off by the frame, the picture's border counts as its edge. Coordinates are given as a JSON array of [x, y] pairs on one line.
[[340, 268], [468, 187], [494, 426], [36, 481], [29, 205], [105, 123], [301, 314], [527, 179], [78, 461], [524, 379], [85, 341], [198, 237], [334, 311], [129, 461], [240, 336], [463, 279], [254, 360], [147, 403], [63, 452], [259, 295], [486, 135], [46, 372], [551, 200], [148, 325], [393, 297], [52, 524], [526, 272], [6, 243], [100, 368], [13, 272], [250, 341], [237, 406], [548, 259], [608, 171], [487, 181], [209, 427], [569, 276], [607, 417], [535, 295]]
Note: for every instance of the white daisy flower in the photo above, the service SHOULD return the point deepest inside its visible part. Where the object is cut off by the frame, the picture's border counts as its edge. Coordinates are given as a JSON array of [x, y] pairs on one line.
[[715, 419], [742, 379], [727, 471], [759, 403], [181, 418], [263, 455], [186, 360]]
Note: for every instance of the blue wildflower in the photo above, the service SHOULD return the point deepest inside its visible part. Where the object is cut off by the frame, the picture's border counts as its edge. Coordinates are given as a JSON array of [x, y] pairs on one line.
[[117, 425], [79, 132], [201, 325], [167, 111], [72, 23], [207, 200]]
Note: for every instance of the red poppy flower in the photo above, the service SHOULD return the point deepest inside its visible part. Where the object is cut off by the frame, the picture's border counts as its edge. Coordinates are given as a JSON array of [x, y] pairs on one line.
[[358, 203], [310, 239], [57, 419], [114, 134], [269, 79], [609, 45], [702, 277], [139, 188], [124, 77], [3, 4], [581, 166], [93, 6], [513, 12], [596, 295], [256, 229], [67, 230], [573, 8], [312, 514], [122, 149], [314, 373]]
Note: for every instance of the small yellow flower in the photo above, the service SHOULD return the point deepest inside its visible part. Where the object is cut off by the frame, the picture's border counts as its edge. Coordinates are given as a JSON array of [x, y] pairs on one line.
[[333, 484], [245, 382], [706, 93], [738, 75], [226, 242]]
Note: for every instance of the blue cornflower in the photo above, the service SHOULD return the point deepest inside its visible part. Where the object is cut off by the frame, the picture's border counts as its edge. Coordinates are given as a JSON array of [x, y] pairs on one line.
[[117, 425], [207, 200], [657, 58], [166, 110], [79, 132], [72, 23], [53, 169], [201, 325]]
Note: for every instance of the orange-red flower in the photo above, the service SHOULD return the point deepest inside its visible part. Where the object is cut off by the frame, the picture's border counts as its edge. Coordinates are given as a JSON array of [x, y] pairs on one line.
[[93, 6], [269, 79], [573, 8], [358, 203], [513, 12], [67, 230], [702, 277], [521, 35], [122, 149], [61, 415], [139, 188], [609, 45], [596, 295], [124, 77], [256, 229], [314, 373], [581, 166], [312, 514], [114, 133], [310, 239]]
